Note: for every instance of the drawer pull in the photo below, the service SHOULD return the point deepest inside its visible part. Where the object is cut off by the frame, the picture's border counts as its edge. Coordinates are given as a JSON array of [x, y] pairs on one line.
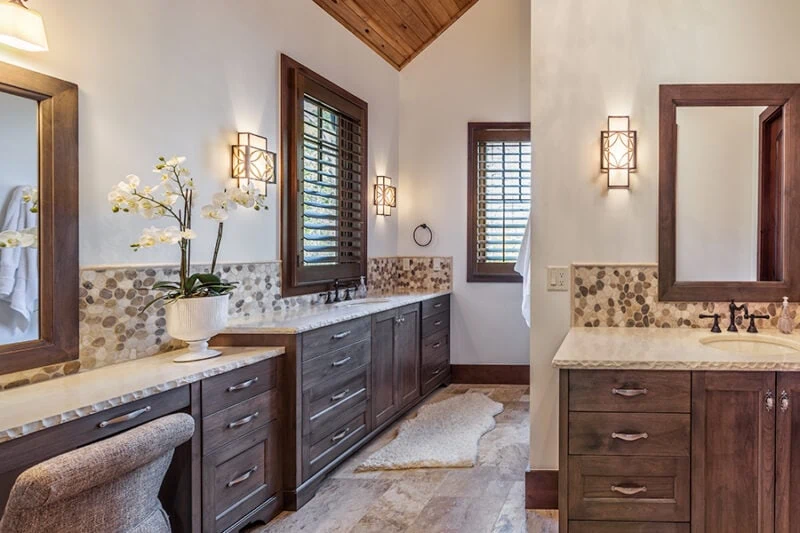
[[341, 362], [337, 397], [629, 393], [436, 372], [437, 306], [341, 335], [240, 479], [436, 345], [243, 421], [629, 491], [629, 437], [243, 385], [339, 436], [124, 418], [437, 323]]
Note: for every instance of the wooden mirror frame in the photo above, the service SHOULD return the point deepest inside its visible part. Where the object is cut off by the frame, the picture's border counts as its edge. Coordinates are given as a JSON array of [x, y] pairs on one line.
[[674, 96], [58, 220]]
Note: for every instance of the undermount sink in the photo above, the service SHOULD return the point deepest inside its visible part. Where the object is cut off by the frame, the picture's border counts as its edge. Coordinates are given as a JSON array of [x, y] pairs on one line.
[[755, 345], [365, 301]]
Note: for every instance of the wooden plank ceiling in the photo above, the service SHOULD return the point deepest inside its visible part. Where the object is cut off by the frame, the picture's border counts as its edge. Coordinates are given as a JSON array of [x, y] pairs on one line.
[[398, 30]]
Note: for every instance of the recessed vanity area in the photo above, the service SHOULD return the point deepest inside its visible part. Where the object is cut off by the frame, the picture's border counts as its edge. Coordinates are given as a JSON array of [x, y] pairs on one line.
[[686, 419]]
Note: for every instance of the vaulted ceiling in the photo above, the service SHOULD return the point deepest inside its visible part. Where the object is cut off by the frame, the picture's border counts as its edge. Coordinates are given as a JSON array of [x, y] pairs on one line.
[[398, 30]]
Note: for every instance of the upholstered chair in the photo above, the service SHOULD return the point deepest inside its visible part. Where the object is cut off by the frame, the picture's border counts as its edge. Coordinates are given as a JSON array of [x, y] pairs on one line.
[[108, 486]]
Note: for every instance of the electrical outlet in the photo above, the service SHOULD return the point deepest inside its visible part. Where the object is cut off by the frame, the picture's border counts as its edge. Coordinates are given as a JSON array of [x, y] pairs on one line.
[[406, 263], [437, 264], [557, 278]]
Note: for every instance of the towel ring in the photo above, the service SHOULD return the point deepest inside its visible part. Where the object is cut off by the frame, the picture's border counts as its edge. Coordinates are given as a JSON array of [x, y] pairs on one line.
[[430, 235]]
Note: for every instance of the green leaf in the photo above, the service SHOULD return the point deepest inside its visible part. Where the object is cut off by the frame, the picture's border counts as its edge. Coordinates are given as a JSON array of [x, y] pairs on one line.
[[171, 285]]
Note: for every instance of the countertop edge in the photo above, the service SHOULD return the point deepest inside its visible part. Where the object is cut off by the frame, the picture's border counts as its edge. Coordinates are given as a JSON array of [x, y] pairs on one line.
[[56, 419]]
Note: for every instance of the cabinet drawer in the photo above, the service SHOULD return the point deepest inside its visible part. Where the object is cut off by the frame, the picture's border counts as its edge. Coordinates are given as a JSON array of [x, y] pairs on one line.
[[631, 391], [627, 527], [662, 434], [435, 323], [436, 305], [435, 347], [336, 403], [332, 445], [434, 374], [321, 341], [238, 385], [240, 477], [334, 364], [229, 424], [654, 489]]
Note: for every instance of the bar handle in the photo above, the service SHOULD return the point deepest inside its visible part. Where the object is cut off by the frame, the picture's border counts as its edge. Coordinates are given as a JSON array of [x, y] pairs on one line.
[[341, 362], [629, 437], [629, 491], [339, 436], [243, 385], [124, 418], [243, 421], [337, 397], [240, 479], [629, 393], [341, 335]]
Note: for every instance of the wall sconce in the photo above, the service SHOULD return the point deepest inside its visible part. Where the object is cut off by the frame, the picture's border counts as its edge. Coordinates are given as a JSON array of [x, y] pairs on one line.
[[385, 196], [251, 160], [618, 152], [21, 27]]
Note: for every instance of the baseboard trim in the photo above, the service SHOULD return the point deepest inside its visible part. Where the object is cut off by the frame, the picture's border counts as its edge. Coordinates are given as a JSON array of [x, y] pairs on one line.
[[491, 374], [541, 489]]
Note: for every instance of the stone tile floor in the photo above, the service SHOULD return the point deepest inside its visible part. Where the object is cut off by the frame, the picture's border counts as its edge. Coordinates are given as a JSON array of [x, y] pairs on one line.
[[489, 498]]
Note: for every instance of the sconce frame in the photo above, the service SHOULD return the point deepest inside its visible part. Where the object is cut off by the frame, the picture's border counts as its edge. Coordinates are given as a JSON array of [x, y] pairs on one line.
[[610, 165], [385, 196]]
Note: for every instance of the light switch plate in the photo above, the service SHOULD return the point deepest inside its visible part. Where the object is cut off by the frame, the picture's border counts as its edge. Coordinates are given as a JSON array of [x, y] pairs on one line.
[[437, 264], [406, 263], [557, 278]]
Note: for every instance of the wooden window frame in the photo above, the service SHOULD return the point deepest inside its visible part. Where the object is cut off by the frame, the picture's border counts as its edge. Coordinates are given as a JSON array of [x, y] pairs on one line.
[[496, 131], [297, 80]]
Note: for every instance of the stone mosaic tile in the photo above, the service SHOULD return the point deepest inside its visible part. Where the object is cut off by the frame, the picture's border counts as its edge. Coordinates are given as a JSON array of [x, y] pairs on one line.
[[113, 328], [627, 296]]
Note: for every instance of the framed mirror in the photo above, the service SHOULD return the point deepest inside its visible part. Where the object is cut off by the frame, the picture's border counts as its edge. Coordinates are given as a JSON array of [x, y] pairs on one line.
[[38, 220], [729, 218]]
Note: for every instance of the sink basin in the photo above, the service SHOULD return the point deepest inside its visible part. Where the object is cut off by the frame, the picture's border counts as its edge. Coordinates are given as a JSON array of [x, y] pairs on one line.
[[365, 301], [752, 344]]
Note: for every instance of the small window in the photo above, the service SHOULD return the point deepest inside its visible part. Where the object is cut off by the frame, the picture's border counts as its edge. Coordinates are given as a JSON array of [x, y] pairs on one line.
[[324, 177], [499, 200]]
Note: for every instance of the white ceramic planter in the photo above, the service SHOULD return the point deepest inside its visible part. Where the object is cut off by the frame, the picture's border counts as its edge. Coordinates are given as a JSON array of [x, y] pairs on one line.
[[195, 321]]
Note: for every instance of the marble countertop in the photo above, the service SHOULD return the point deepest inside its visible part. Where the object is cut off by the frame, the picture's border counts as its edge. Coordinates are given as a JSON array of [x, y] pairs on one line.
[[670, 349], [32, 408], [309, 317]]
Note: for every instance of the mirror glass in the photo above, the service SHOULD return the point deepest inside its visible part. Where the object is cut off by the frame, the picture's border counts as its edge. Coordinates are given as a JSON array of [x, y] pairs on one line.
[[19, 206], [729, 193]]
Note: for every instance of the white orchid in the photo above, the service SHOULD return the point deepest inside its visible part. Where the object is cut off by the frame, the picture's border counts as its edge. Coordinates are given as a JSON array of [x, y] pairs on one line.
[[30, 195], [217, 214], [19, 239]]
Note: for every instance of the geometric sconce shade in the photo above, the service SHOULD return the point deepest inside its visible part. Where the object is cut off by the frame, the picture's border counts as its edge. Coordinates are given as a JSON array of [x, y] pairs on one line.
[[618, 152], [385, 196], [251, 160]]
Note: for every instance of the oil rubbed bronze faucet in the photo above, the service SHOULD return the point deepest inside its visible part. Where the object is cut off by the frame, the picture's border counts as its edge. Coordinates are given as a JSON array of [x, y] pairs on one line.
[[752, 327], [733, 310], [715, 325]]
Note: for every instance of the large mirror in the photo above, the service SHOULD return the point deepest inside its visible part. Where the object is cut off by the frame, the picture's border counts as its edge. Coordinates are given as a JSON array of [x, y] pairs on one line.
[[38, 220], [729, 161]]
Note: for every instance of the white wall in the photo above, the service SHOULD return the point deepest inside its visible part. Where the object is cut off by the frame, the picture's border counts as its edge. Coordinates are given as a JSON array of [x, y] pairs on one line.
[[716, 220], [182, 77], [478, 70], [593, 59]]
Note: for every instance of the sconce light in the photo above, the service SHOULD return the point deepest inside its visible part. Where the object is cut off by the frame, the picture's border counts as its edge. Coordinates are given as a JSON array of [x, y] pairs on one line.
[[251, 160], [21, 27], [618, 152], [385, 196]]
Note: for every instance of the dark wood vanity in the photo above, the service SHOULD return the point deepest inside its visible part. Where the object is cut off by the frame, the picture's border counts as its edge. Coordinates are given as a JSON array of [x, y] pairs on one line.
[[347, 382], [673, 451]]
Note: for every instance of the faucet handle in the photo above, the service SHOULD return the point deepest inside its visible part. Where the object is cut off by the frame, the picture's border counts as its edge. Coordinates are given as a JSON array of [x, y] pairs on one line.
[[752, 327], [715, 325]]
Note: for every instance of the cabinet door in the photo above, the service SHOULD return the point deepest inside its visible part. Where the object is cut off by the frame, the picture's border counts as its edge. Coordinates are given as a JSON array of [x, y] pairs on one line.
[[385, 401], [787, 486], [733, 452], [406, 346]]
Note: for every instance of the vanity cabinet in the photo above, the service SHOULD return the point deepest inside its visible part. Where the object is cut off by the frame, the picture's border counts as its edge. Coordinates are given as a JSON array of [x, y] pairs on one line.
[[635, 444], [395, 361]]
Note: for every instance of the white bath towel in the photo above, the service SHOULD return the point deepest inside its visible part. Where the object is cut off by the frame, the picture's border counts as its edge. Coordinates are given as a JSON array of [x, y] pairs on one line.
[[523, 268], [19, 267]]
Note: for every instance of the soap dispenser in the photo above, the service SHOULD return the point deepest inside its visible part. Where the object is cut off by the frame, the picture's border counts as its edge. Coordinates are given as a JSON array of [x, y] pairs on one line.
[[362, 289], [785, 322]]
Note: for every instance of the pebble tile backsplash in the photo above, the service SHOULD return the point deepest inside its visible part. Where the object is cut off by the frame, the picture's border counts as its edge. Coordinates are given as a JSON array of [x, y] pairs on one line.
[[113, 329], [627, 296]]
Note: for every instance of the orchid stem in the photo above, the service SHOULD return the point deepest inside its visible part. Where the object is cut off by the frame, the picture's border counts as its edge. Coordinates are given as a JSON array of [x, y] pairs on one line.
[[216, 248]]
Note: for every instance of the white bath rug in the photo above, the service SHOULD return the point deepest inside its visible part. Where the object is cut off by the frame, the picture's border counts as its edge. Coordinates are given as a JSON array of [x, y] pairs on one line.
[[443, 435]]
